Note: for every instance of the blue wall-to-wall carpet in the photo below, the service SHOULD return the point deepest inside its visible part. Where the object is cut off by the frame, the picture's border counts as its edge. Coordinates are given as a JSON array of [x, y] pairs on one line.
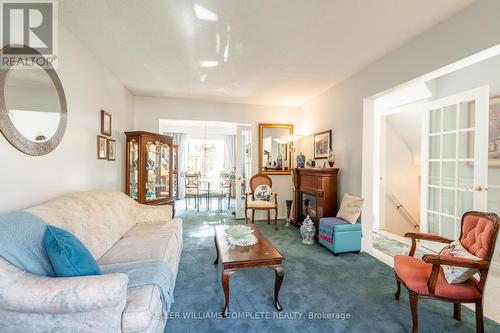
[[315, 282]]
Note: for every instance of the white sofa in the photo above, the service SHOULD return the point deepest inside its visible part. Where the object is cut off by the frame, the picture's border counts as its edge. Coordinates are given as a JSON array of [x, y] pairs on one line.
[[116, 230]]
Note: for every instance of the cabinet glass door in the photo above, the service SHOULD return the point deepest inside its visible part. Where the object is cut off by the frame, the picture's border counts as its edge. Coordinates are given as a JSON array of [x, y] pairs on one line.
[[454, 160], [152, 170], [164, 190], [133, 157]]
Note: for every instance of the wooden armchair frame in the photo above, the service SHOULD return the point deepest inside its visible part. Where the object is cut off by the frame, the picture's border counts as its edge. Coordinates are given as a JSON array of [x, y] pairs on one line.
[[256, 180], [438, 260]]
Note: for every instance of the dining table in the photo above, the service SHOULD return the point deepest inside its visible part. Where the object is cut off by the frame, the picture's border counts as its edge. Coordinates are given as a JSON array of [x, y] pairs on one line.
[[209, 184]]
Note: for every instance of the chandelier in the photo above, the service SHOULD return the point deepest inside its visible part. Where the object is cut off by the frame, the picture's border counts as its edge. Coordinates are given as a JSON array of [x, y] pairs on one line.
[[205, 147]]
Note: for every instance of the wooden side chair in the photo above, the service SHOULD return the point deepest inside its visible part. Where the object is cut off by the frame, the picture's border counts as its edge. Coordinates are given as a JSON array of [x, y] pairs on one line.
[[424, 278], [226, 187], [261, 186], [193, 188]]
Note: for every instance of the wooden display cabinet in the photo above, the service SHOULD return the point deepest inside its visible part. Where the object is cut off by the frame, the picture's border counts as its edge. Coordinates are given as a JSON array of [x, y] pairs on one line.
[[149, 168]]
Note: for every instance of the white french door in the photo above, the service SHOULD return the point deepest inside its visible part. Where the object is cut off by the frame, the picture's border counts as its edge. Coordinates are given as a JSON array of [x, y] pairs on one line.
[[243, 165], [454, 160]]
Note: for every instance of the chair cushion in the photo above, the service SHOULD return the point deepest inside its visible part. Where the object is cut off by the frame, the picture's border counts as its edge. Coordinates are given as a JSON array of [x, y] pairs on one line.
[[454, 274], [477, 232], [143, 304], [415, 273], [350, 208], [260, 204], [68, 255]]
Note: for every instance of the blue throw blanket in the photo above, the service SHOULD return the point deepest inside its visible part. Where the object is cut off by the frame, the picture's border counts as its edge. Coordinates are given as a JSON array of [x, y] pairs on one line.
[[149, 273], [21, 243]]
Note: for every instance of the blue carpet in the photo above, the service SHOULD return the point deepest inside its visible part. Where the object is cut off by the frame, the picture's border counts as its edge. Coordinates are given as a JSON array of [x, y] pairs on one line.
[[316, 282]]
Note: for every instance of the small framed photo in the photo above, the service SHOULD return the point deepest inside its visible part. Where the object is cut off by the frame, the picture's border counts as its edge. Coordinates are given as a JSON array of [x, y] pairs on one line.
[[102, 147], [106, 128], [322, 144], [111, 150]]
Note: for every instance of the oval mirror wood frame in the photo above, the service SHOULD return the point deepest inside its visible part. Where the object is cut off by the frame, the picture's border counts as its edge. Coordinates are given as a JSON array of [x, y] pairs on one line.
[[14, 136]]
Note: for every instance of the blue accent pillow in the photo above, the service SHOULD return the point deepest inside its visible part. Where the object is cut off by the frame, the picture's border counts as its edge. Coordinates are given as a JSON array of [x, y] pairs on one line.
[[68, 255]]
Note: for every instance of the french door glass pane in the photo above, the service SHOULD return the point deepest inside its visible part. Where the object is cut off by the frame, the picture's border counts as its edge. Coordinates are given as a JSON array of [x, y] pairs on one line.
[[435, 121], [465, 174], [448, 202], [449, 173], [434, 147], [450, 118], [466, 144], [433, 223], [464, 202], [448, 226], [434, 173], [433, 199], [449, 146], [466, 115]]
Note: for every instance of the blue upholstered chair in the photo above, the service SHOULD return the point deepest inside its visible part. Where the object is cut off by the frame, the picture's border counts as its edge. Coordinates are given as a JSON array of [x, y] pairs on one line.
[[339, 236]]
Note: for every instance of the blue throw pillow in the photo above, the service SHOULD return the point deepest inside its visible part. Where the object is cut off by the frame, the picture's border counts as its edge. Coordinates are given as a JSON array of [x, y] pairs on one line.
[[68, 255]]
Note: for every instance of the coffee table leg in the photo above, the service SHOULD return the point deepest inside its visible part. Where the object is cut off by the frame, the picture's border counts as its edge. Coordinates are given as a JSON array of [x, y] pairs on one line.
[[226, 274], [216, 250], [280, 274]]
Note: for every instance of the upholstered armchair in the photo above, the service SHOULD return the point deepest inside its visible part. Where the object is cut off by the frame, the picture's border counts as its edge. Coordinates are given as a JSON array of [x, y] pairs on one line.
[[424, 278], [261, 186]]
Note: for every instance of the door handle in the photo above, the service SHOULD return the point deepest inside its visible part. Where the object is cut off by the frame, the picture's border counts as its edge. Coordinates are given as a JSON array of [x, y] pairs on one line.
[[478, 188]]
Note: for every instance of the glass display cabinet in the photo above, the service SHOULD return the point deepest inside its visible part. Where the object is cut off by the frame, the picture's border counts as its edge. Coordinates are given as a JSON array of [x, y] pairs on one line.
[[175, 171], [149, 163]]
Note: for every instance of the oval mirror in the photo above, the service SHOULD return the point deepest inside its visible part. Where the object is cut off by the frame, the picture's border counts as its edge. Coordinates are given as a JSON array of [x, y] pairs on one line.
[[33, 114]]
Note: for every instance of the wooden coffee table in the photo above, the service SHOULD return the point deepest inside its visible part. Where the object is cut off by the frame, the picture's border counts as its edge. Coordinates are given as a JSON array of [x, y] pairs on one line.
[[235, 257]]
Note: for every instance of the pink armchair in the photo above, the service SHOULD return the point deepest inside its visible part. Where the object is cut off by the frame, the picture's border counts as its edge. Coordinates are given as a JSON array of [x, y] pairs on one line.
[[425, 278]]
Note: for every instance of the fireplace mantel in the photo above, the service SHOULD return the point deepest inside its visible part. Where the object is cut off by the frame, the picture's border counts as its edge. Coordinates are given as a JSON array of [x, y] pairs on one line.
[[318, 186]]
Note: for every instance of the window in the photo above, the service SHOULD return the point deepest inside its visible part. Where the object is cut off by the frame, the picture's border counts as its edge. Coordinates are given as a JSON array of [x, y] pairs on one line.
[[209, 163]]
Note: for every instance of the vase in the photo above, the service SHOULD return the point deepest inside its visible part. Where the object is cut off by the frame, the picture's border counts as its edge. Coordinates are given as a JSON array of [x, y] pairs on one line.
[[331, 158], [301, 160], [288, 211], [307, 231]]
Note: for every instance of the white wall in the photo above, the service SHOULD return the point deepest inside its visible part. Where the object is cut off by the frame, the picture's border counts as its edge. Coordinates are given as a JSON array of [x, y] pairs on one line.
[[73, 166], [401, 180], [149, 110], [341, 107]]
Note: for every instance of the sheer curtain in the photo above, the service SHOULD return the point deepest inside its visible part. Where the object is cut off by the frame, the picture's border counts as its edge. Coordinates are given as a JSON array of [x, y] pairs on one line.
[[181, 139], [229, 152]]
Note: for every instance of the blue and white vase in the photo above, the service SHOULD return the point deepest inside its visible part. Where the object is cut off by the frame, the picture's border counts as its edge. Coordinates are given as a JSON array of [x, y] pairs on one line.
[[301, 160], [307, 231]]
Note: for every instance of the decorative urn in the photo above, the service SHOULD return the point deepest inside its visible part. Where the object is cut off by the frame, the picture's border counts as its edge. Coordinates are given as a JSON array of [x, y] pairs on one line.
[[307, 231], [301, 160]]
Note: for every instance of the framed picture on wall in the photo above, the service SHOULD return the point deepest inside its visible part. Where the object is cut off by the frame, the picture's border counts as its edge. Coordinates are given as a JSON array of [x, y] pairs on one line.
[[111, 150], [322, 144], [102, 147], [106, 128], [493, 132]]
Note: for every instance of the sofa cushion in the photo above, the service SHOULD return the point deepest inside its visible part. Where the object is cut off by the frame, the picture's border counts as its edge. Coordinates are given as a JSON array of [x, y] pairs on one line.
[[143, 310], [97, 219], [144, 229], [166, 247], [68, 255]]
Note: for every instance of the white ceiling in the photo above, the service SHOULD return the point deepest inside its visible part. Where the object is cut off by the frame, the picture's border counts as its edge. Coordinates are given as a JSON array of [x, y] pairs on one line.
[[279, 52]]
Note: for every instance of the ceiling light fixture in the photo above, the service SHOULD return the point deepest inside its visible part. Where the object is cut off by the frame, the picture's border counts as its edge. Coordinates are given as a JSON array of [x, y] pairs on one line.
[[204, 14], [208, 63]]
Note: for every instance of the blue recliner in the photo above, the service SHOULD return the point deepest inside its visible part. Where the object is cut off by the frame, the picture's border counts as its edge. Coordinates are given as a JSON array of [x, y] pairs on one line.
[[339, 236]]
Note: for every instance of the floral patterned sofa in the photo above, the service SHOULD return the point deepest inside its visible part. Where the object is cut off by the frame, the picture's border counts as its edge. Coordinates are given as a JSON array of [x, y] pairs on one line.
[[116, 230]]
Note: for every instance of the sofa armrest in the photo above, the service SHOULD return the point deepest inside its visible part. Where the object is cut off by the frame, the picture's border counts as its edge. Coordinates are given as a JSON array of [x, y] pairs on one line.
[[37, 294], [152, 214]]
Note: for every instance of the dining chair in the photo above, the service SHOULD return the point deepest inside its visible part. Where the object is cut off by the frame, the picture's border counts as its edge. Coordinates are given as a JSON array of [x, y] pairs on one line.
[[424, 278], [261, 187], [226, 187], [193, 188]]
